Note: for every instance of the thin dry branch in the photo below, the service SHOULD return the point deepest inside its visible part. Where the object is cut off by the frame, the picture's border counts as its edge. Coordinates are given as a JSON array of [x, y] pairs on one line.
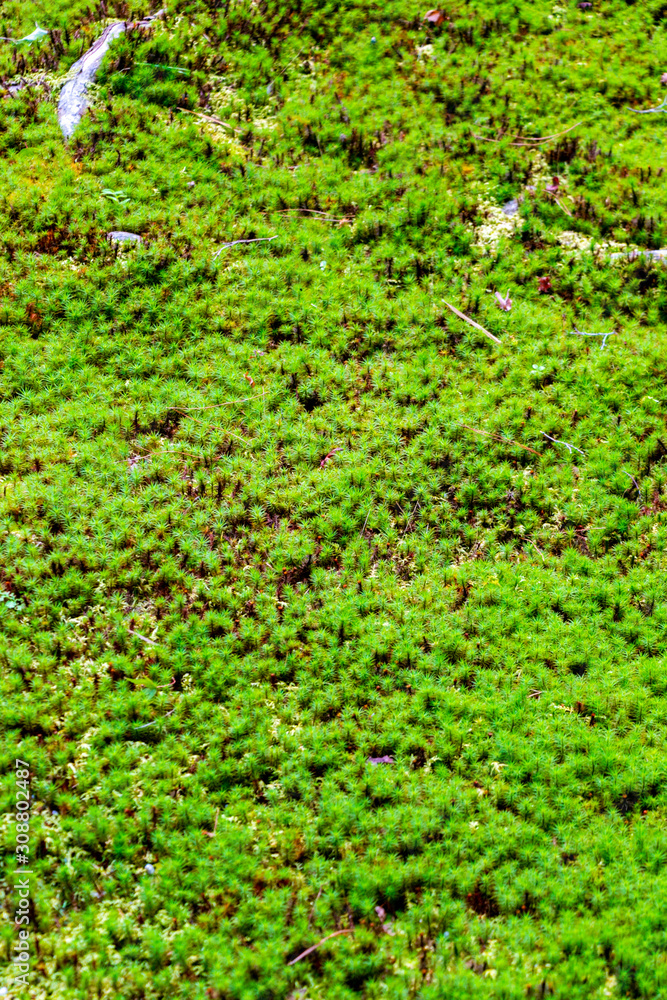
[[471, 322], [581, 333], [151, 642], [319, 216], [650, 111], [561, 205], [547, 138], [566, 444], [258, 239], [348, 930], [210, 118], [501, 439], [528, 141], [72, 102], [207, 833]]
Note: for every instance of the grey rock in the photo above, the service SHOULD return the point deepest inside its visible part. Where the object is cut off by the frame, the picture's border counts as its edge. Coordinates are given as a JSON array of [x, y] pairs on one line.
[[118, 236], [511, 207]]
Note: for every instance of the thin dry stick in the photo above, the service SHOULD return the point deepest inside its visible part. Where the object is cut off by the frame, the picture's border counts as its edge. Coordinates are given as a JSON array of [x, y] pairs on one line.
[[152, 642], [407, 524], [650, 111], [637, 486], [561, 205], [348, 930], [147, 724], [319, 216], [526, 140], [145, 681], [258, 239], [311, 211], [569, 446], [466, 319], [547, 138], [580, 333], [537, 550], [215, 826], [501, 439], [366, 521], [209, 118]]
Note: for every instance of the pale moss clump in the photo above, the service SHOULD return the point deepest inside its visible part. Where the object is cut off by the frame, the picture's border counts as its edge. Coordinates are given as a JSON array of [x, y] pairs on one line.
[[424, 52], [51, 82], [580, 243], [541, 172], [496, 226], [557, 14]]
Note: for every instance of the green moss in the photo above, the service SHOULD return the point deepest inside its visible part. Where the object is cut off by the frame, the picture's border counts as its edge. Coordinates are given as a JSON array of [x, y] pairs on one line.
[[272, 513]]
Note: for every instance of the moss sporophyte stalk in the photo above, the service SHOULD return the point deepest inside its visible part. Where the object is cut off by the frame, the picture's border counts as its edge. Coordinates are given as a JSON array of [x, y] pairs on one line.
[[333, 345]]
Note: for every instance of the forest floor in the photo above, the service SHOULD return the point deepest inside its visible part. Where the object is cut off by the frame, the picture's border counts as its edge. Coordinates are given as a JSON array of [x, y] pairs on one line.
[[332, 629]]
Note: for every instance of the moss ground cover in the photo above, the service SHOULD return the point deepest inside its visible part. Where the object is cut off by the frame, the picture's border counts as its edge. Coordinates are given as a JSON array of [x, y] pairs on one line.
[[322, 616]]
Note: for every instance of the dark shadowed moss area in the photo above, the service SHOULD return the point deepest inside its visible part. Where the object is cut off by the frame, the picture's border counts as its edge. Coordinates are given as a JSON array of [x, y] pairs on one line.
[[271, 512]]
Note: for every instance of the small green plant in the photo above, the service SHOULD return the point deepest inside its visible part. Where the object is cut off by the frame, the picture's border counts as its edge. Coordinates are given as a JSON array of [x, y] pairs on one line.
[[119, 197]]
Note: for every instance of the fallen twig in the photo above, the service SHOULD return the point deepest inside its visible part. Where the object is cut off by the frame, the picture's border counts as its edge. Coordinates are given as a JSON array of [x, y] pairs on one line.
[[319, 216], [366, 521], [147, 724], [145, 682], [539, 552], [310, 211], [527, 140], [637, 486], [407, 523], [259, 239], [580, 333], [501, 439], [570, 447], [348, 930], [151, 642], [466, 319], [561, 205], [210, 118], [72, 101], [548, 138], [215, 827], [650, 111]]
